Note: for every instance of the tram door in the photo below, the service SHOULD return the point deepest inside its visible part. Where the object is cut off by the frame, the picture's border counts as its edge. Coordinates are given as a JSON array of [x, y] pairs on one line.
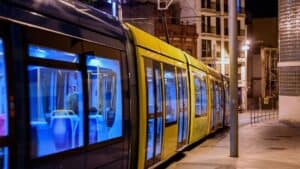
[[183, 110], [154, 112]]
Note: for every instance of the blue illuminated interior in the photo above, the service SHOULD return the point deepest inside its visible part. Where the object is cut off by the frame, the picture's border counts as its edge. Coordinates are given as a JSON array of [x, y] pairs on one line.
[[4, 158], [150, 92], [3, 93], [203, 97], [105, 99], [197, 83], [182, 87], [170, 96], [150, 138], [56, 110], [52, 54]]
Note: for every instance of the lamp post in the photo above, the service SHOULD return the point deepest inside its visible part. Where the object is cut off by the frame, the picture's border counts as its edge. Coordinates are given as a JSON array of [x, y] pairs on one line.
[[245, 48]]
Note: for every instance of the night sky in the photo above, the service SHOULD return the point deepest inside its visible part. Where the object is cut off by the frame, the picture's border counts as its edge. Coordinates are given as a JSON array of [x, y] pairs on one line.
[[262, 8]]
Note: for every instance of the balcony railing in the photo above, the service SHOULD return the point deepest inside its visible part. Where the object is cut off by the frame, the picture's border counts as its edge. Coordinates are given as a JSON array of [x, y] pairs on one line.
[[210, 30]]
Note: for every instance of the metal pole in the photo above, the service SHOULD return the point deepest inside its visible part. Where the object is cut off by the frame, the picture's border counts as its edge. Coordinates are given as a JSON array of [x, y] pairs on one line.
[[234, 152]]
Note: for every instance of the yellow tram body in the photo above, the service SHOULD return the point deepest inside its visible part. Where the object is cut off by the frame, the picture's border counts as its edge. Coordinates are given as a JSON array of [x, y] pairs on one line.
[[161, 56]]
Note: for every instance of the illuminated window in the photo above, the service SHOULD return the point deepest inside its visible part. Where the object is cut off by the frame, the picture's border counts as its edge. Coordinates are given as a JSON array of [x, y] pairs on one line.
[[4, 158], [200, 95], [105, 99], [52, 54], [56, 107], [3, 94], [170, 94]]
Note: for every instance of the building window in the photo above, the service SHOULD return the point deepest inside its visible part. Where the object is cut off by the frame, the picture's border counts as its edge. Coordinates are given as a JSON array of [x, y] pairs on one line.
[[206, 48], [205, 3], [225, 5], [206, 24], [239, 28], [226, 27], [218, 5], [218, 25]]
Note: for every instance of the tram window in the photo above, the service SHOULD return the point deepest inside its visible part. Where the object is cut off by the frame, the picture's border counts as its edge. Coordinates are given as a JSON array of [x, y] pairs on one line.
[[158, 86], [4, 158], [170, 94], [198, 97], [105, 99], [150, 87], [203, 100], [3, 93], [56, 110], [52, 54]]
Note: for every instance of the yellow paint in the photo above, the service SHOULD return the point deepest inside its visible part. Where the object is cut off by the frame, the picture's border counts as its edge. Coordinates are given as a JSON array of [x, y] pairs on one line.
[[151, 47]]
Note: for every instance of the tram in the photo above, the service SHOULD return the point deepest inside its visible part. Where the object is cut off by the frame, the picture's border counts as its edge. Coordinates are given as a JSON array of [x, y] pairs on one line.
[[80, 90]]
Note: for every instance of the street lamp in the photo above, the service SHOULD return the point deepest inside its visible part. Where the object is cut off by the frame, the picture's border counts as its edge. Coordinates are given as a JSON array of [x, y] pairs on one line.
[[245, 47]]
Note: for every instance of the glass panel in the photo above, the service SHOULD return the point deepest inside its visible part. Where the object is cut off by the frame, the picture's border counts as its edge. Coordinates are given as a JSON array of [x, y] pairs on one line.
[[56, 110], [170, 94], [150, 139], [52, 54], [158, 135], [197, 83], [185, 104], [3, 94], [105, 99], [181, 105], [4, 158], [150, 87], [158, 81], [203, 96]]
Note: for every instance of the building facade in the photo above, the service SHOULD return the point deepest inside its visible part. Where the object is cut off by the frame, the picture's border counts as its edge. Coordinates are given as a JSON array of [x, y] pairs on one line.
[[211, 18], [144, 14], [289, 60], [212, 27]]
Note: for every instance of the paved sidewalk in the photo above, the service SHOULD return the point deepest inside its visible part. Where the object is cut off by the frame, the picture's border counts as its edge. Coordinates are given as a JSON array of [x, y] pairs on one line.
[[267, 145]]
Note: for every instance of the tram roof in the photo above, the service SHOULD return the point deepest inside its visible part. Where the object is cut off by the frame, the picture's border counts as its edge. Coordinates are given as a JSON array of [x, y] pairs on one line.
[[63, 16], [145, 40]]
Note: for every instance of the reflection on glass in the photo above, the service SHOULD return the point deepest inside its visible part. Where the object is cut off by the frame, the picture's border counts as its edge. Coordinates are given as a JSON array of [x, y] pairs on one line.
[[56, 110], [197, 83], [159, 127], [158, 81], [150, 139], [105, 99], [3, 94], [170, 94], [52, 54], [150, 92], [185, 104], [4, 158], [203, 97]]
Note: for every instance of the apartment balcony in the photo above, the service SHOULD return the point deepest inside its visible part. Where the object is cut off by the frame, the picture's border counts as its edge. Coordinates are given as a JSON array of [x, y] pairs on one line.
[[212, 8], [210, 31]]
